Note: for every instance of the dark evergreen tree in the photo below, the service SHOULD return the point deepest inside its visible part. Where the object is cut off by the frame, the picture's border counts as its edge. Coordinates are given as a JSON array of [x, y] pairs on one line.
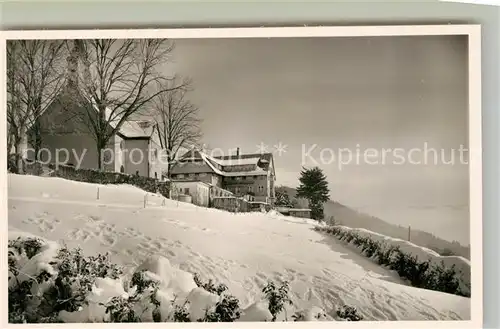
[[283, 199], [314, 188]]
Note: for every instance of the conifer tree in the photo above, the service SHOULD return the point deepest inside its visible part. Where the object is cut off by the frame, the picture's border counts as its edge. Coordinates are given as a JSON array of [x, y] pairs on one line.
[[314, 188]]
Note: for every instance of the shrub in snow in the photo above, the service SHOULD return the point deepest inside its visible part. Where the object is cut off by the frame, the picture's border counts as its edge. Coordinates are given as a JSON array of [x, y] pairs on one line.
[[227, 308], [349, 313], [33, 168], [181, 314], [144, 291], [421, 274], [50, 283], [31, 246], [277, 297], [312, 314], [44, 281], [210, 286], [121, 310], [331, 221], [386, 253]]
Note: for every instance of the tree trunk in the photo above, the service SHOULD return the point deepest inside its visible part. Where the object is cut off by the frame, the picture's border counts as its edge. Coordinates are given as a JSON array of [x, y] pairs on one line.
[[169, 165], [37, 139], [18, 158], [9, 143], [19, 142], [99, 156]]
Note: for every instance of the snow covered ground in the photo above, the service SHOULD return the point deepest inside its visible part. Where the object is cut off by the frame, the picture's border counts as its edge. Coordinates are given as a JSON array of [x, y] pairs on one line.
[[243, 251]]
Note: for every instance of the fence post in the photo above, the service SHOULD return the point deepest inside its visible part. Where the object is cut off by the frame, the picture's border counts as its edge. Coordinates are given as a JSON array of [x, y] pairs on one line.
[[97, 193], [409, 233], [145, 197]]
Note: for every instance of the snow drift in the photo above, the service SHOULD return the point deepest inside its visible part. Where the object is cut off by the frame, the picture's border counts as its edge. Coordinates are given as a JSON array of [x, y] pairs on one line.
[[176, 288], [243, 251]]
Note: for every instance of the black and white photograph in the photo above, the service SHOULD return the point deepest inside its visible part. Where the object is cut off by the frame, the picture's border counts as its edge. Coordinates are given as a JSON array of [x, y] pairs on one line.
[[243, 175]]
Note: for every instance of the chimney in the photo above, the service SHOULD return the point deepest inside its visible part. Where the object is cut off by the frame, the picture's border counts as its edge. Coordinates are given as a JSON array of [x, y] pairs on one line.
[[238, 152], [144, 124]]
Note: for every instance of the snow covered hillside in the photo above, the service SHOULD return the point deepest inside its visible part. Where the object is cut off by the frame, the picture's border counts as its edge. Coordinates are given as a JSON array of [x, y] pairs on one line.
[[242, 251]]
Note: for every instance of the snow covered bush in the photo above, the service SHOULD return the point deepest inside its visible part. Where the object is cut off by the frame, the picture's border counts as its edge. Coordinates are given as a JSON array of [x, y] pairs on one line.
[[210, 286], [123, 308], [50, 283], [277, 297], [227, 309], [349, 313], [45, 280], [30, 246], [429, 273], [312, 314]]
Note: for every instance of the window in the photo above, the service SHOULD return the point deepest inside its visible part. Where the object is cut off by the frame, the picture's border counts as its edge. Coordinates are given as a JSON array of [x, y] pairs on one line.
[[261, 188], [238, 178], [191, 175], [156, 175], [237, 190], [137, 172], [250, 189], [106, 157], [122, 169], [180, 176], [203, 174], [186, 190], [244, 177]]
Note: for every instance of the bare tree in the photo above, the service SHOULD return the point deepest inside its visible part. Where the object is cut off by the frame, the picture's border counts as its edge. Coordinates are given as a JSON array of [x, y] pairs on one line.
[[35, 76], [177, 122], [118, 79]]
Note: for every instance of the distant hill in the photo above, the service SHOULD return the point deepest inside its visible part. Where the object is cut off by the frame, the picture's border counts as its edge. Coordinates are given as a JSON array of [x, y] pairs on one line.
[[352, 218]]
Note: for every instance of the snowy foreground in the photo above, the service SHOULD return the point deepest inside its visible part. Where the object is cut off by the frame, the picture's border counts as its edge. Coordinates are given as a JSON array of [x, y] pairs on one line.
[[243, 251]]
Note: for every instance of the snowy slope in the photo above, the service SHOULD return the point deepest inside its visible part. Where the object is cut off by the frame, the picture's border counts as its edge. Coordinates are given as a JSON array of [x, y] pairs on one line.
[[243, 251], [461, 264]]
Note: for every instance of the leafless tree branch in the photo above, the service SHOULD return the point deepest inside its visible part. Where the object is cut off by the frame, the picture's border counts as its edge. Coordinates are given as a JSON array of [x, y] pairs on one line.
[[119, 79], [35, 76], [177, 121]]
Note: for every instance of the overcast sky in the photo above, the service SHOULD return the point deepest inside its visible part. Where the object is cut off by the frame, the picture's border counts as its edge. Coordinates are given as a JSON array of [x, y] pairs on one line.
[[356, 93]]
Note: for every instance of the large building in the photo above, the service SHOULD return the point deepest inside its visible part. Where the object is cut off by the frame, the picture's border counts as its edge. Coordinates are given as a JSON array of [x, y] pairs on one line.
[[134, 149], [67, 136], [240, 174]]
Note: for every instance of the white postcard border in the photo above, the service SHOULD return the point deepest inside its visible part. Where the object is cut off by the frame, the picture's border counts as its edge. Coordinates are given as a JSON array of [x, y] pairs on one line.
[[475, 146]]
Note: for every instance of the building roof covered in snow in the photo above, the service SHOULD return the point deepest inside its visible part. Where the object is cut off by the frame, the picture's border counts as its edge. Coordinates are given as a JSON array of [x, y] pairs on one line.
[[229, 166], [129, 128]]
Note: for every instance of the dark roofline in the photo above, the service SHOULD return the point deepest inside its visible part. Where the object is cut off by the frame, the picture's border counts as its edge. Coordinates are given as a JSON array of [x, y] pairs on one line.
[[244, 156], [133, 138]]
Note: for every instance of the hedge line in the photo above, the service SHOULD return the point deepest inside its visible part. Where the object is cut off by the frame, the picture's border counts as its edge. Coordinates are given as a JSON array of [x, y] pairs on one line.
[[103, 177], [421, 274]]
